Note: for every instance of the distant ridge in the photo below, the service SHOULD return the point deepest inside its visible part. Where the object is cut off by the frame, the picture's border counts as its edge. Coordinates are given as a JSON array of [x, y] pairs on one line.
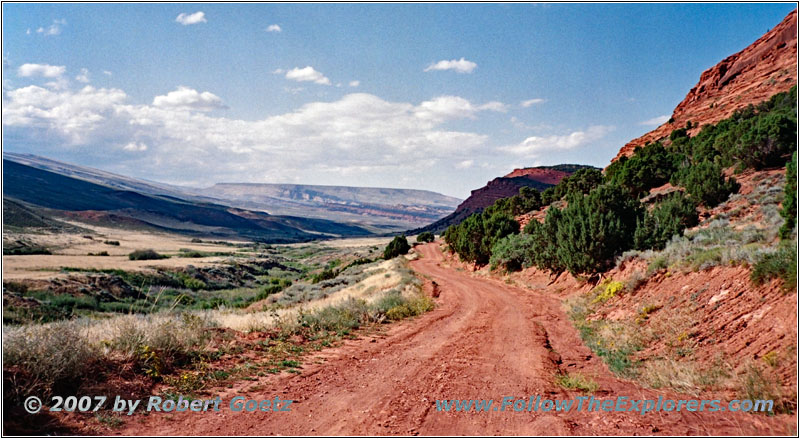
[[539, 178], [379, 209], [94, 203]]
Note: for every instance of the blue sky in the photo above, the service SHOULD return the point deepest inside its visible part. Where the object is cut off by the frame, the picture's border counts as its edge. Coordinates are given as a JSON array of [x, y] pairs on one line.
[[441, 97]]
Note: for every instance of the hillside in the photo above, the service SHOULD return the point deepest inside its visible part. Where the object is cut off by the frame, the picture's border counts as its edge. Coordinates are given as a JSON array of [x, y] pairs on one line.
[[391, 208], [766, 67], [380, 209], [539, 178], [86, 201], [677, 264]]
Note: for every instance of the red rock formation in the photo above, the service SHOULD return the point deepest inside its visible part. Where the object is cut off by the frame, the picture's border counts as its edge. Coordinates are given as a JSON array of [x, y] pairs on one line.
[[544, 175], [766, 67]]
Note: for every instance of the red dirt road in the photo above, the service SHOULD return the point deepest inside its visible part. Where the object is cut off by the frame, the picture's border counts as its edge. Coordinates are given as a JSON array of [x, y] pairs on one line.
[[484, 340]]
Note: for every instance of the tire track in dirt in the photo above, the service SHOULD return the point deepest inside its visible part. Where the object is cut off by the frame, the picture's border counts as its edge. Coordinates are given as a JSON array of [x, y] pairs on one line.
[[485, 339]]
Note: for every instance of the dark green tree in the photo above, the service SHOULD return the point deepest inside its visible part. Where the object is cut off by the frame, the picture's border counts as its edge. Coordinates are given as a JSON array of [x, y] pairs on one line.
[[671, 217], [594, 229], [398, 246], [705, 183], [425, 237]]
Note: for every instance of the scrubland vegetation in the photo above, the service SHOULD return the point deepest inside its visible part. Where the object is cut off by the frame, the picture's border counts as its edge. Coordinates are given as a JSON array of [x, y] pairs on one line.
[[175, 326], [678, 208], [606, 214]]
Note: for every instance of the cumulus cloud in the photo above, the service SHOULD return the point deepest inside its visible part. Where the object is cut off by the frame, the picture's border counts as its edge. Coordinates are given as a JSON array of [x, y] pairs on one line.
[[44, 70], [83, 76], [53, 29], [537, 144], [457, 65], [656, 121], [531, 102], [187, 19], [359, 134], [453, 107], [273, 28], [354, 83], [464, 164], [190, 99], [107, 73], [74, 116], [307, 74]]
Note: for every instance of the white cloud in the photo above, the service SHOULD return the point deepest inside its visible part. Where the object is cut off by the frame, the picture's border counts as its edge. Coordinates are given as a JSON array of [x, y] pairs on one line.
[[494, 106], [359, 134], [273, 28], [453, 107], [531, 102], [354, 83], [307, 74], [75, 116], [107, 73], [187, 19], [45, 70], [464, 164], [83, 76], [278, 72], [535, 144], [135, 146], [53, 29], [656, 121], [458, 65], [189, 99]]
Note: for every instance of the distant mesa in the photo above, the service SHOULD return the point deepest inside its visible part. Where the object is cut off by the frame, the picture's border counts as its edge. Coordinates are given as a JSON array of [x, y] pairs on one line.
[[539, 178]]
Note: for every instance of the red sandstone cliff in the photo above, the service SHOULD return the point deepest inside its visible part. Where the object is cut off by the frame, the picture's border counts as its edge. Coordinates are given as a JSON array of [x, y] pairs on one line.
[[766, 67]]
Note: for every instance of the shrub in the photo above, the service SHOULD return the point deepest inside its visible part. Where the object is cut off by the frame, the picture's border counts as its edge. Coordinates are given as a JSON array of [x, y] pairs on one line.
[[594, 229], [45, 359], [475, 237], [425, 237], [115, 243], [647, 168], [513, 252], [139, 255], [607, 290], [344, 317], [768, 140], [398, 246], [789, 207], [676, 213], [325, 274], [705, 183], [780, 264], [576, 381]]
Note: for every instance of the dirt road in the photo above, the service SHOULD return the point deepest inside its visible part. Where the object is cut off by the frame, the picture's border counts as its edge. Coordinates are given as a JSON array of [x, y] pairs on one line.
[[484, 340]]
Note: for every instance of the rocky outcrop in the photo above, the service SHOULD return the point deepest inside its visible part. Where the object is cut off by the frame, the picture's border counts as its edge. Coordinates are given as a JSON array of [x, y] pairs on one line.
[[766, 67]]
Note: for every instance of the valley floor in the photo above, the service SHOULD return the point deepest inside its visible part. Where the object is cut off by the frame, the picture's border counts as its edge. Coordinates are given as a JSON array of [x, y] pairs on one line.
[[485, 339]]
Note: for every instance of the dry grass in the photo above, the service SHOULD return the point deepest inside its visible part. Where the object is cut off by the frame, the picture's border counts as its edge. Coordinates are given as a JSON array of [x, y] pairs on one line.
[[70, 250]]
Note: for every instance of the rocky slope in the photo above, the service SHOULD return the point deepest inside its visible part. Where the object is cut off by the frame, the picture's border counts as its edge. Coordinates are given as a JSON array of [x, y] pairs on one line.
[[766, 67]]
